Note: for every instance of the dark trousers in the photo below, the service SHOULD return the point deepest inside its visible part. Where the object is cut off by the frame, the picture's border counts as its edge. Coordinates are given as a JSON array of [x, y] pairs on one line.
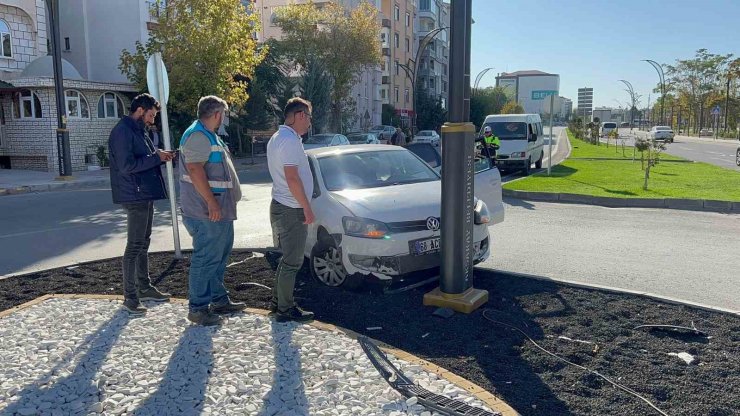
[[139, 218], [289, 233]]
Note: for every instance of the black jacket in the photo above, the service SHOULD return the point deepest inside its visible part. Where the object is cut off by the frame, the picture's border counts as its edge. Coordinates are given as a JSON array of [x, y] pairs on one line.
[[135, 174]]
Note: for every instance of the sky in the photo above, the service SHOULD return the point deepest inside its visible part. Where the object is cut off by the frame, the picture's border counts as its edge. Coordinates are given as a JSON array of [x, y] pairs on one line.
[[595, 43]]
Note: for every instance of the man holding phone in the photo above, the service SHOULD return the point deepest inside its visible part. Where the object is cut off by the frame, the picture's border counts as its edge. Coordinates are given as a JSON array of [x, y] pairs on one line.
[[136, 182]]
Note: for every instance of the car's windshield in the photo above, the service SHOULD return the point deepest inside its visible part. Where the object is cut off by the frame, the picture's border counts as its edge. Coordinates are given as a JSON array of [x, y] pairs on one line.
[[374, 169], [358, 138], [425, 133], [662, 128], [320, 139], [509, 130], [610, 125], [378, 128]]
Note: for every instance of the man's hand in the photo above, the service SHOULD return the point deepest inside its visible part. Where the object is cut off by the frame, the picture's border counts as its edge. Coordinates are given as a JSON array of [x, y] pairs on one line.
[[214, 211], [165, 156], [308, 213]]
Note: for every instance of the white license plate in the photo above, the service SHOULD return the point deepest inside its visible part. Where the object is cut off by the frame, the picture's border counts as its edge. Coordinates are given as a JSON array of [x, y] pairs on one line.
[[426, 246]]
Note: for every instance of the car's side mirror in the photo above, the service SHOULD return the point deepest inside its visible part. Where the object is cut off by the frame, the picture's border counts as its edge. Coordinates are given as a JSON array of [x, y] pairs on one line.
[[533, 138]]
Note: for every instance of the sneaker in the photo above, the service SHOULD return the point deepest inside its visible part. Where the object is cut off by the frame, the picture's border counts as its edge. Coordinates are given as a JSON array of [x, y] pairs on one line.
[[273, 307], [295, 314], [134, 307], [228, 307], [205, 318], [154, 294]]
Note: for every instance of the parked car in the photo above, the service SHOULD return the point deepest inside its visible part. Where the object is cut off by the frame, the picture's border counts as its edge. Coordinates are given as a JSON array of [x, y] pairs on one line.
[[325, 140], [427, 136], [606, 128], [663, 133], [737, 157], [378, 214], [624, 124], [362, 138], [522, 140], [383, 133], [706, 132]]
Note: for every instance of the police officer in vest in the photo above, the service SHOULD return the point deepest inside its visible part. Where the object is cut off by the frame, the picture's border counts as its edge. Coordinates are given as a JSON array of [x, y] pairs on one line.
[[492, 141], [209, 192]]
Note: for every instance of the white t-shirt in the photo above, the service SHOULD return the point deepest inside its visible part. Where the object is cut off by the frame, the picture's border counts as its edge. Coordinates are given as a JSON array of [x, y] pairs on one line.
[[286, 149]]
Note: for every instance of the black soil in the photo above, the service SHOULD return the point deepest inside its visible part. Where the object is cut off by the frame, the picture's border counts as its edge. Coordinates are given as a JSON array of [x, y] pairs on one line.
[[496, 357]]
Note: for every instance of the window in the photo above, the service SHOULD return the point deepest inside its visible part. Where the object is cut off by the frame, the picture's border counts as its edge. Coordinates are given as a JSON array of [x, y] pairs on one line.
[[66, 44], [382, 95], [406, 95], [27, 105], [424, 5], [6, 48], [408, 20], [384, 39], [110, 106], [408, 45], [397, 68], [76, 105], [432, 84], [396, 90], [396, 40], [397, 13]]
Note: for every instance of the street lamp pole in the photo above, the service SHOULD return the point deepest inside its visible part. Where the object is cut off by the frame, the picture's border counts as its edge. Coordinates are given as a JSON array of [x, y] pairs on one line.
[[631, 92], [479, 77], [661, 76], [63, 151]]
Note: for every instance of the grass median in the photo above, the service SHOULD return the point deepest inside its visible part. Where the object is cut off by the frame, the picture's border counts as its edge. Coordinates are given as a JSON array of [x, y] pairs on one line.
[[589, 171]]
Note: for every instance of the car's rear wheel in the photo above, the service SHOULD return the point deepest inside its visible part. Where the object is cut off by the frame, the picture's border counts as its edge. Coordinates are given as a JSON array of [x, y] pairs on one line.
[[327, 267], [737, 157], [538, 164]]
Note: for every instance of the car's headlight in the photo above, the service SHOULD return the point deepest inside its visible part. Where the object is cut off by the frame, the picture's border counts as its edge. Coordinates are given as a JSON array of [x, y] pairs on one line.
[[517, 154], [364, 227], [482, 216]]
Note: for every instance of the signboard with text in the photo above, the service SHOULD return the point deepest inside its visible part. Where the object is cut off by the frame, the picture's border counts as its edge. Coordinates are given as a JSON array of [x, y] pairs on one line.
[[542, 94]]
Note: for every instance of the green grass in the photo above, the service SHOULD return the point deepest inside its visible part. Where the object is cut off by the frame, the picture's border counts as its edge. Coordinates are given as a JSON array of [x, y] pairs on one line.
[[624, 178], [581, 149]]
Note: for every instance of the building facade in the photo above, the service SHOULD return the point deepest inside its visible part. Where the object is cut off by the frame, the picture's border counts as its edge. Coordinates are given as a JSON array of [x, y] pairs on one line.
[[433, 76], [585, 103], [526, 88], [397, 39], [28, 110]]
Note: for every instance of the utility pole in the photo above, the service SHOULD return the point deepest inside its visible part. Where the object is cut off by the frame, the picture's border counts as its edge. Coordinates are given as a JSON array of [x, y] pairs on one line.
[[64, 156]]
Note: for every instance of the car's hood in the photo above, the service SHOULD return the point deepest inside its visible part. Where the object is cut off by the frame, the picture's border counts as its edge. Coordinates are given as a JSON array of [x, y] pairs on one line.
[[507, 147], [417, 201]]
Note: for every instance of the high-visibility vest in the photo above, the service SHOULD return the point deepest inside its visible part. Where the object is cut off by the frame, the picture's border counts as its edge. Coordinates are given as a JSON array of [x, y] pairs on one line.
[[216, 168], [492, 139]]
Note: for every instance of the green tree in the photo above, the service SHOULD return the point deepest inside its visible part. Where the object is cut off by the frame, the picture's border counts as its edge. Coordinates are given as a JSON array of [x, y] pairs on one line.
[[512, 107], [429, 115], [208, 48], [388, 115], [265, 89], [346, 42], [315, 87], [485, 101]]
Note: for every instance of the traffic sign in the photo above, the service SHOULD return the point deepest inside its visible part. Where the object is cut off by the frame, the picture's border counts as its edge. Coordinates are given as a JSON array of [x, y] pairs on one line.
[[716, 110], [154, 65], [542, 94]]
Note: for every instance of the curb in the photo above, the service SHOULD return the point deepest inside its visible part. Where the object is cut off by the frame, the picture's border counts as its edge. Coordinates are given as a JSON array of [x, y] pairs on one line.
[[493, 402], [703, 205], [611, 289], [51, 187]]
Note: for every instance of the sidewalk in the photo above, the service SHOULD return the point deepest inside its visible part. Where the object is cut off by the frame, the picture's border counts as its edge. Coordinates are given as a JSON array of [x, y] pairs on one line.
[[17, 181]]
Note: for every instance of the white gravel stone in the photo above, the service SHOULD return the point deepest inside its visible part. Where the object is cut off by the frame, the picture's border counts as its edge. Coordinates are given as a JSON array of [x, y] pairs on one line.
[[89, 357]]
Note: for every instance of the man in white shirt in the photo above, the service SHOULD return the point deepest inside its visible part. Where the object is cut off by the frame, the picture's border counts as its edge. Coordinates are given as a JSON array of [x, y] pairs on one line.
[[290, 210]]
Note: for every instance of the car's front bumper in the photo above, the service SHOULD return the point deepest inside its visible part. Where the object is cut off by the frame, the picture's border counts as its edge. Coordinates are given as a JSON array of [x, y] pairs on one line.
[[511, 163]]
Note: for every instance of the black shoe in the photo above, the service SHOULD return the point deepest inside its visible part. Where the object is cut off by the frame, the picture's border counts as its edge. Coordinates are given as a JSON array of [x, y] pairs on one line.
[[228, 307], [134, 307], [154, 294], [294, 314], [273, 307], [205, 318]]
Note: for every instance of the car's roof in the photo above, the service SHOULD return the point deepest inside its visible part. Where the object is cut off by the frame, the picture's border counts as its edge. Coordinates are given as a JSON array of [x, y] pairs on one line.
[[357, 148], [662, 127]]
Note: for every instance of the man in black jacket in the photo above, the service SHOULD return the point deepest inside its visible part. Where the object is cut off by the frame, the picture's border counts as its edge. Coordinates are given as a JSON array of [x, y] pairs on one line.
[[136, 182]]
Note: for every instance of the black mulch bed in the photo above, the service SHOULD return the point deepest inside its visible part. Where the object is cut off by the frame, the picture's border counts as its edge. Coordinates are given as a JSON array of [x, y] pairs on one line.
[[497, 358]]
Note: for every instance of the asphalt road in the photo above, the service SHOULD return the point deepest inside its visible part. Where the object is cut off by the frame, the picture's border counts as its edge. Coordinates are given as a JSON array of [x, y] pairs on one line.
[[681, 254], [720, 152]]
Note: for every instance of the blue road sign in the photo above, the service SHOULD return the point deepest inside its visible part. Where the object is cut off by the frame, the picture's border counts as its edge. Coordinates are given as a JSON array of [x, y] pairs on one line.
[[716, 110], [542, 94]]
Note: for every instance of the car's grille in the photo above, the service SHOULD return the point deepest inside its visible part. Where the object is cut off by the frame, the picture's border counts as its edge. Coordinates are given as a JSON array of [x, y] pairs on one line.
[[408, 226], [502, 156]]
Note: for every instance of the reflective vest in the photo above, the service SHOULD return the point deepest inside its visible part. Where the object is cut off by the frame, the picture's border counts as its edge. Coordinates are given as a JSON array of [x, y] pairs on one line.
[[492, 139], [216, 169]]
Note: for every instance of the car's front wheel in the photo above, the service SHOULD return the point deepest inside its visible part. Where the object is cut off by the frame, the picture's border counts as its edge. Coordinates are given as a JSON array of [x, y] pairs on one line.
[[737, 157], [327, 267]]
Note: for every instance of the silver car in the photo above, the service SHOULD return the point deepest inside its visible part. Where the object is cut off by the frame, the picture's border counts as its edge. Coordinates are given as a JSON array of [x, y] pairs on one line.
[[427, 136], [663, 133]]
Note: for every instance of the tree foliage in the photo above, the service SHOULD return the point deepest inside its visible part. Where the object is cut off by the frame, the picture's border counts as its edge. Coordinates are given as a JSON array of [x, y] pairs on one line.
[[207, 47], [346, 42], [429, 113], [316, 87], [512, 107], [485, 101]]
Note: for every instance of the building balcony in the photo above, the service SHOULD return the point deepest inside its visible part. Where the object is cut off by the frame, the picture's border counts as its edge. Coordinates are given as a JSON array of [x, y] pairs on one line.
[[386, 80], [386, 51], [427, 14], [386, 23]]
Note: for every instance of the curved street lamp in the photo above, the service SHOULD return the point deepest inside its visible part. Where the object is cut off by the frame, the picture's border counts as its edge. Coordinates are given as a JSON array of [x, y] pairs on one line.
[[661, 76], [479, 77], [631, 92]]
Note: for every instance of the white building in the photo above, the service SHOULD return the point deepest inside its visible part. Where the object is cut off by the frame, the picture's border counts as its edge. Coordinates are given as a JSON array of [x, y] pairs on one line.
[[433, 74], [585, 103], [526, 87], [28, 110]]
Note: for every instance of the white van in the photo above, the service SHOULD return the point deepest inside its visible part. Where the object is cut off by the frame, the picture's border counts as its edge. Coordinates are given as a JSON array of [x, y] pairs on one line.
[[607, 127], [522, 140]]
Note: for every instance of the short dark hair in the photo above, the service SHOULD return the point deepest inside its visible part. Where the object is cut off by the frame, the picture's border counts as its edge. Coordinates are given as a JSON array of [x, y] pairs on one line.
[[295, 105], [145, 101]]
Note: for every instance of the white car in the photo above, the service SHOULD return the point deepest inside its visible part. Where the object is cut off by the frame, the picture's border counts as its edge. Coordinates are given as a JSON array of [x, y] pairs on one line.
[[606, 128], [325, 140], [664, 133], [383, 133], [427, 136], [378, 214]]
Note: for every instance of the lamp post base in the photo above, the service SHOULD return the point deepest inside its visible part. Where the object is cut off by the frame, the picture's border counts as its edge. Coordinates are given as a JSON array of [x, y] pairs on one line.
[[465, 302]]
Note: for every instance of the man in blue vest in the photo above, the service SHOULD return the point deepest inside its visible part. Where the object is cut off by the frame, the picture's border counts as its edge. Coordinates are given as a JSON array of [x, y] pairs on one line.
[[136, 182], [209, 192]]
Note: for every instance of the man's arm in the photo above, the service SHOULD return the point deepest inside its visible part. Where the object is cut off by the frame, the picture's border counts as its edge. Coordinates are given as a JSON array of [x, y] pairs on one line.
[[123, 150], [199, 179], [295, 184]]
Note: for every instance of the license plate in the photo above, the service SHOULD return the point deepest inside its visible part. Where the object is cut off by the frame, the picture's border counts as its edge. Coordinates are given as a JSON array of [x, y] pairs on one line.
[[426, 246]]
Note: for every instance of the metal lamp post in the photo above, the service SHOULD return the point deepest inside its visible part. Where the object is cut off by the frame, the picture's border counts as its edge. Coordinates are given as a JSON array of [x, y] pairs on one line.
[[63, 150], [631, 92], [661, 75], [479, 77]]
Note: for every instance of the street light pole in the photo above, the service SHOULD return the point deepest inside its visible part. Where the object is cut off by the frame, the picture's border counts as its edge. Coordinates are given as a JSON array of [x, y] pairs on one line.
[[479, 77], [661, 76], [631, 92], [63, 151]]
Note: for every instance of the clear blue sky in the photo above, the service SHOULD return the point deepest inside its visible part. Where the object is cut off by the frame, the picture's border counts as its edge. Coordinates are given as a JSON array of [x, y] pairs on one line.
[[595, 43]]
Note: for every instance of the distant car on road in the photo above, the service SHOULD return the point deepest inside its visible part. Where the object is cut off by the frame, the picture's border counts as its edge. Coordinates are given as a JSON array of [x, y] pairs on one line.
[[427, 136], [383, 133], [362, 138], [607, 127], [663, 133], [325, 140], [624, 124], [706, 132]]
